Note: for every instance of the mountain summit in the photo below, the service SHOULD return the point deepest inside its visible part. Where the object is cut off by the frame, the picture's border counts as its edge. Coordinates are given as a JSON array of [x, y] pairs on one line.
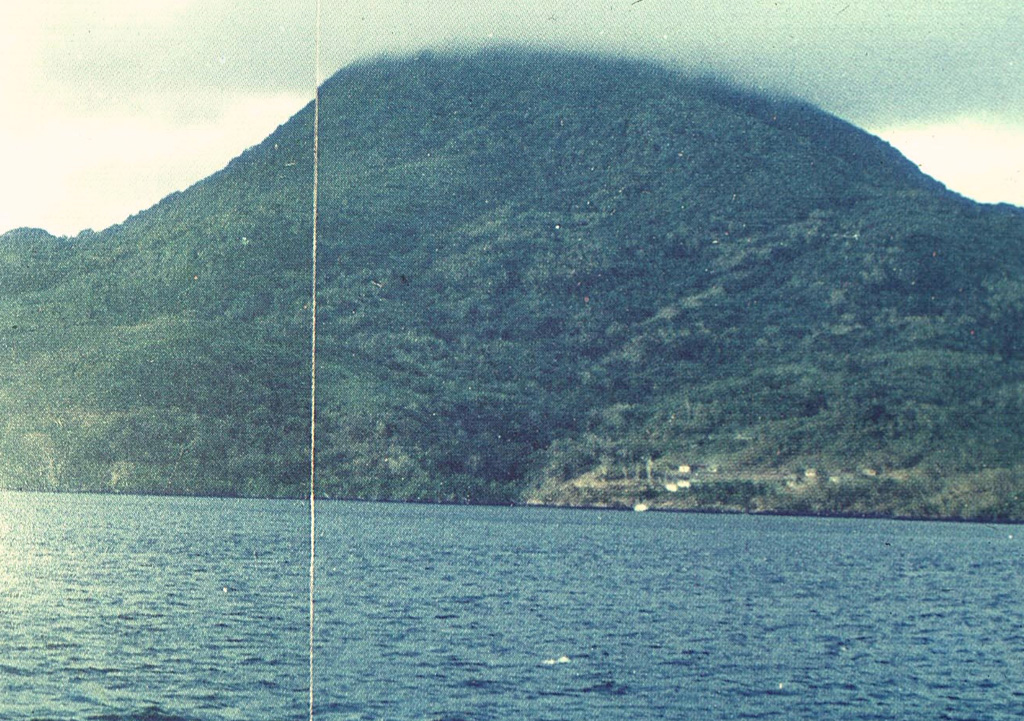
[[543, 277]]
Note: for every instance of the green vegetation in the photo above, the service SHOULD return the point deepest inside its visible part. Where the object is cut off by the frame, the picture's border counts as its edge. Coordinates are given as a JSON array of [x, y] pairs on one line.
[[536, 269]]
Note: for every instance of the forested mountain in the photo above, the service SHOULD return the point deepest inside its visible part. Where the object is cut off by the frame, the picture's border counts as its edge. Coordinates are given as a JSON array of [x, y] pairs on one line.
[[541, 277]]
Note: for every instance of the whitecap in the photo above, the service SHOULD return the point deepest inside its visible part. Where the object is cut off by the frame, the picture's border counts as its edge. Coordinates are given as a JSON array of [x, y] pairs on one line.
[[553, 661]]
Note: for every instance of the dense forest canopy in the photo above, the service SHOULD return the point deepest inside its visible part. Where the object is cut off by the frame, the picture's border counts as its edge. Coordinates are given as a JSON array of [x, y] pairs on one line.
[[543, 277]]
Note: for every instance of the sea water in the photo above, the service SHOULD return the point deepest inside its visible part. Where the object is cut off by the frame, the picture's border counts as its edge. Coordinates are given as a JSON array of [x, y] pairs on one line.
[[116, 608]]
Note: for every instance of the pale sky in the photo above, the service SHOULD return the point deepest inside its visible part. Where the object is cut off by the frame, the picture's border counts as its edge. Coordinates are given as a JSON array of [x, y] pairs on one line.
[[106, 106]]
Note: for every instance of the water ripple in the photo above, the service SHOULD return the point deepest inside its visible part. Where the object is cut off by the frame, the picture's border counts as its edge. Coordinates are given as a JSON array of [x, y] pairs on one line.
[[120, 609]]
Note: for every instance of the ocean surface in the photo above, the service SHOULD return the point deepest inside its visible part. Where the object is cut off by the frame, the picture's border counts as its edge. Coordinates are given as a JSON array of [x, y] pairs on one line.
[[116, 608]]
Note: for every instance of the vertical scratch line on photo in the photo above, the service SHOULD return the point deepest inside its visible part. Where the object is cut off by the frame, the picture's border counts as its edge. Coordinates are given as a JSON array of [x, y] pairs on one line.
[[312, 365]]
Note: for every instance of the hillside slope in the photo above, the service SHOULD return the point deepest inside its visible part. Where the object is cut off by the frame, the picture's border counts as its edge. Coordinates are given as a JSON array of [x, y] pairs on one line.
[[542, 277]]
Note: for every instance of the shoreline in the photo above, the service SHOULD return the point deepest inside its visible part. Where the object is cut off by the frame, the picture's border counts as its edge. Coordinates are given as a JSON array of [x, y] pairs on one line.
[[878, 514]]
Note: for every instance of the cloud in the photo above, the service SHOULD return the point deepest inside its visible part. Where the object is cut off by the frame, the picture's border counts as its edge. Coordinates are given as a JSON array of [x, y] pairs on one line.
[[982, 159], [867, 61], [100, 168], [214, 45], [111, 104]]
